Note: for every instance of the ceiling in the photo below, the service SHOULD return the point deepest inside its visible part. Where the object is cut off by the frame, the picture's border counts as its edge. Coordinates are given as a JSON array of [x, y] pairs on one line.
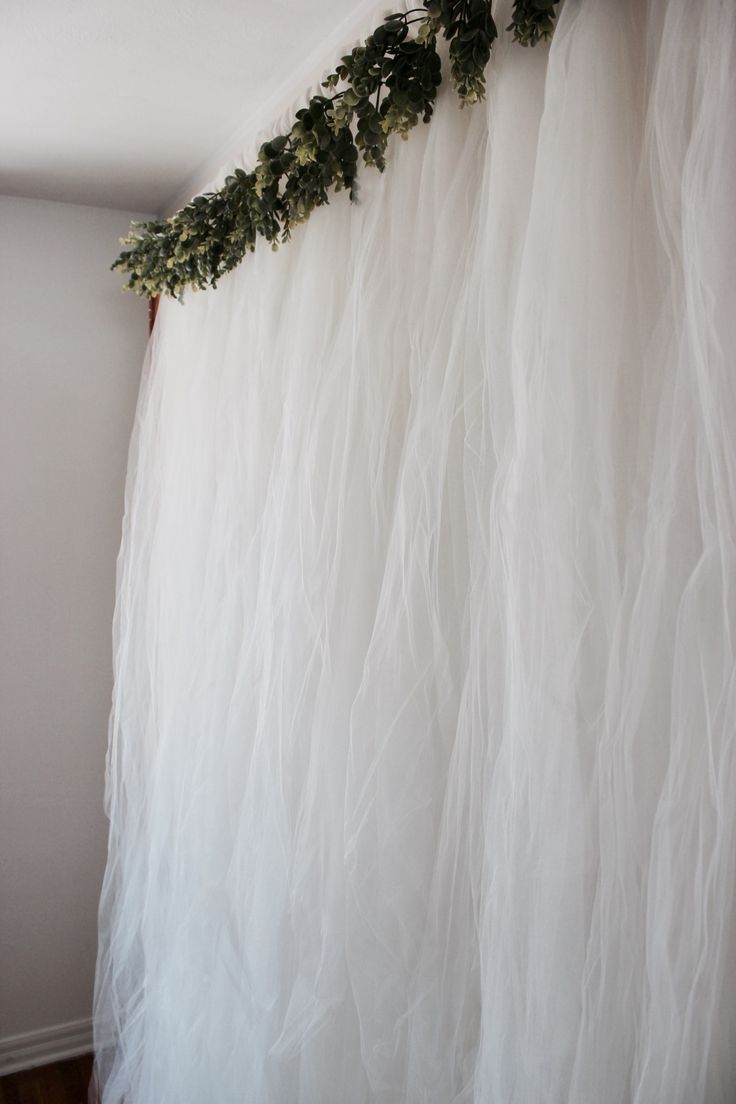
[[117, 104]]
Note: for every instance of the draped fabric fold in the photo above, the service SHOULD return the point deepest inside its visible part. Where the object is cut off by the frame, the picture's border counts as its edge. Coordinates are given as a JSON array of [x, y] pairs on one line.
[[422, 762]]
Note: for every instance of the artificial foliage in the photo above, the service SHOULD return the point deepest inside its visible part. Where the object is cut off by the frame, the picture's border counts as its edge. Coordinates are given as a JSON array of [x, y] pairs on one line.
[[533, 21], [384, 86]]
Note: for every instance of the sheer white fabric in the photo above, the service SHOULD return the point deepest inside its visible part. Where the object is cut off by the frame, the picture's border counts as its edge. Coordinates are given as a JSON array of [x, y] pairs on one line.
[[421, 771]]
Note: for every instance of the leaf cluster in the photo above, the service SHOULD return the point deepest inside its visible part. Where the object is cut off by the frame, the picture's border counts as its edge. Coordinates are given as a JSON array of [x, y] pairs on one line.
[[533, 21], [471, 29], [384, 86]]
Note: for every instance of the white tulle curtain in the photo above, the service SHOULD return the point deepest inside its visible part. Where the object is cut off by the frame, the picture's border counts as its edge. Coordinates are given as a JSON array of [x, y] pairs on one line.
[[422, 776]]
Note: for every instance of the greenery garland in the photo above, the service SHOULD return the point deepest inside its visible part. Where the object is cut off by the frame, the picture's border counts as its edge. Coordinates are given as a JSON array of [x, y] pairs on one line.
[[383, 87]]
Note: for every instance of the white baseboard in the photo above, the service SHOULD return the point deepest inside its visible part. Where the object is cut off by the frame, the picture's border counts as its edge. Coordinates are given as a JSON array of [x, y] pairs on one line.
[[50, 1044]]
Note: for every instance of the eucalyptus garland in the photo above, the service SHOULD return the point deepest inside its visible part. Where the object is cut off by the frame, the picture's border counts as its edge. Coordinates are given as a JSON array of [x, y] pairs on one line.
[[383, 87]]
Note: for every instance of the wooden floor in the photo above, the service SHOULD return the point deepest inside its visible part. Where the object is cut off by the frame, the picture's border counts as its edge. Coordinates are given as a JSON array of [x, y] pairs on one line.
[[60, 1083]]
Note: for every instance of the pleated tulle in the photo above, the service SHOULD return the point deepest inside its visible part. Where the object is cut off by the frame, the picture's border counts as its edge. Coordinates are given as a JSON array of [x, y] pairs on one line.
[[422, 768]]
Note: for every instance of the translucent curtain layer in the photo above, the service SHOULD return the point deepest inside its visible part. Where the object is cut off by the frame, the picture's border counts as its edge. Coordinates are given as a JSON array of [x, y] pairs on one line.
[[421, 764]]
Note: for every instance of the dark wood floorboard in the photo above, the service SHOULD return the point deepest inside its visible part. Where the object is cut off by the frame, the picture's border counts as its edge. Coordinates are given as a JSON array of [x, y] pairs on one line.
[[60, 1083]]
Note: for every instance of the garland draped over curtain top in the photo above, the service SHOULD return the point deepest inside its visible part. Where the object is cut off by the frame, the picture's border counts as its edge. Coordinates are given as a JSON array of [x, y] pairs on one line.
[[421, 764]]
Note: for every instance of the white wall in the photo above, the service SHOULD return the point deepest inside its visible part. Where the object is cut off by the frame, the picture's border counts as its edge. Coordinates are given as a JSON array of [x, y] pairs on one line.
[[71, 346]]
